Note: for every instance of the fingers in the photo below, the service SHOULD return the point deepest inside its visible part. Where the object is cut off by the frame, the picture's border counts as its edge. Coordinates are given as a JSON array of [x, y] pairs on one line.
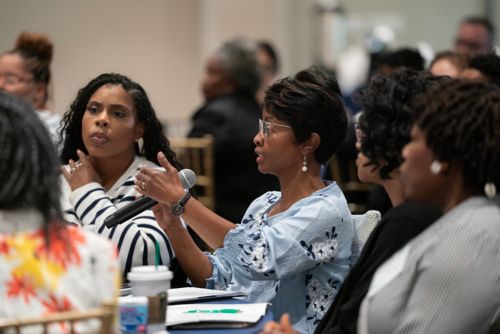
[[285, 320], [65, 173], [165, 163]]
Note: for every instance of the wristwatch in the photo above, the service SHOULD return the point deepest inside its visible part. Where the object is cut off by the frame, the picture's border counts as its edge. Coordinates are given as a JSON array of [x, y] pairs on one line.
[[177, 208]]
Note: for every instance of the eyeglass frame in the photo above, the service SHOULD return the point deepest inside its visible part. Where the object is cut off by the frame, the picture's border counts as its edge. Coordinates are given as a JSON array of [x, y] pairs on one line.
[[265, 127], [13, 79]]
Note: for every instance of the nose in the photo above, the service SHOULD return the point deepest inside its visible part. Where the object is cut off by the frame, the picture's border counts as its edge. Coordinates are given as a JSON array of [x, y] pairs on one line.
[[102, 119], [258, 138]]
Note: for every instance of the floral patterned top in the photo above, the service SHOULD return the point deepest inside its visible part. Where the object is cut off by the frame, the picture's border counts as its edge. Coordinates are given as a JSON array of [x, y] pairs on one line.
[[295, 260], [77, 270]]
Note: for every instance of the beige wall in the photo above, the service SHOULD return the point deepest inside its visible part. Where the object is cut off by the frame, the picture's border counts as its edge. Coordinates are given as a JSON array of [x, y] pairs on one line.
[[162, 43], [155, 42]]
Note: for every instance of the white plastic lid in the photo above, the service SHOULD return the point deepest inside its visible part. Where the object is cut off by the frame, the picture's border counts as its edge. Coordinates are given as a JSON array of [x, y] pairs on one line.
[[149, 273]]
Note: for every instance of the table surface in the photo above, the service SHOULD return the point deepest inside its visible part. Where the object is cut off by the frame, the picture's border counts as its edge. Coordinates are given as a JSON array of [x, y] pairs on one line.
[[246, 330]]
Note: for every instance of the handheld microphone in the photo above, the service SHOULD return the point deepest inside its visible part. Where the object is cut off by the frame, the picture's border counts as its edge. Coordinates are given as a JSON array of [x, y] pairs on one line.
[[188, 180]]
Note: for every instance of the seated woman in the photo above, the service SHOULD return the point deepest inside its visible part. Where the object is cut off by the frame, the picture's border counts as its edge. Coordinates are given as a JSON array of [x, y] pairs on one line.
[[292, 247], [111, 130], [383, 130], [46, 265], [446, 280]]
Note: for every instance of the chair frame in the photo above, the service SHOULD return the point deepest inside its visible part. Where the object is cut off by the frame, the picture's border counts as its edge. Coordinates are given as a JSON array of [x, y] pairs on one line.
[[105, 314]]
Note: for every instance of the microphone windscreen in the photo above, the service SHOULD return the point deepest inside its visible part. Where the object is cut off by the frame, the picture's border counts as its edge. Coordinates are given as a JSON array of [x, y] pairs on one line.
[[188, 178]]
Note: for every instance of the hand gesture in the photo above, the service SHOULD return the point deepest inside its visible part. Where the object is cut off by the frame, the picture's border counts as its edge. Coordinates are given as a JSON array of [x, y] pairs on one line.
[[80, 172], [162, 186]]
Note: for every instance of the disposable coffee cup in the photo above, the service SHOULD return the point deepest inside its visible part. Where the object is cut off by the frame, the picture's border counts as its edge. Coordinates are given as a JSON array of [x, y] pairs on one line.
[[149, 280], [152, 282]]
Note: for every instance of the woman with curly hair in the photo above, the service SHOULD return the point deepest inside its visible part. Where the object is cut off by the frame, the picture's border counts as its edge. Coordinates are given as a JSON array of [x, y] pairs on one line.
[[46, 265], [446, 280], [25, 72], [111, 130]]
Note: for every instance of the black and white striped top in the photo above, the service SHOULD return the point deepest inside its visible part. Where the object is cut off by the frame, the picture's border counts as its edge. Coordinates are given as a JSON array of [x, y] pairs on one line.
[[446, 280], [91, 204]]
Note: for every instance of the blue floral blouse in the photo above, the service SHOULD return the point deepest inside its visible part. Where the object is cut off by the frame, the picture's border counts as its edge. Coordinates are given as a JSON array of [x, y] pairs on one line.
[[295, 260]]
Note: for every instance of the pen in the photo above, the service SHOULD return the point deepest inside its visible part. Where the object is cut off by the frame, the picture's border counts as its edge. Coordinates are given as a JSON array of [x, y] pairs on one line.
[[223, 310]]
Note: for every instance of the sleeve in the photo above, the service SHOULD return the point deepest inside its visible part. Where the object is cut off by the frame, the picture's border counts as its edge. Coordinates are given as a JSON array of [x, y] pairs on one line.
[[107, 270], [307, 236], [135, 239], [389, 236], [455, 288]]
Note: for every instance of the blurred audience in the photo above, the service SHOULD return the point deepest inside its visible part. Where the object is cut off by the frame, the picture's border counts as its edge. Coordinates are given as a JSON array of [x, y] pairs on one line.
[[483, 67], [230, 114], [390, 61], [110, 130], [47, 266], [448, 63], [25, 72], [292, 248], [269, 66], [475, 35], [446, 279]]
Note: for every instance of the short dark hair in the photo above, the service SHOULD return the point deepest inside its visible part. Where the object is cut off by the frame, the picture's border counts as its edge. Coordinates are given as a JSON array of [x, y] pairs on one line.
[[403, 57], [153, 138], [271, 52], [460, 121], [239, 61], [488, 65], [310, 102], [29, 168], [387, 115], [483, 21]]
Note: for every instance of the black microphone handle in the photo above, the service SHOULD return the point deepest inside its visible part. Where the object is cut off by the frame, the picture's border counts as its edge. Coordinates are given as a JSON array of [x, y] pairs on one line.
[[129, 211]]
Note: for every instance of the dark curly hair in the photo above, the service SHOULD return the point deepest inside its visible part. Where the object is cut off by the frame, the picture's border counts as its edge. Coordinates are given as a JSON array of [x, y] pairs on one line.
[[387, 115], [154, 140], [310, 102], [29, 168], [460, 121], [489, 66]]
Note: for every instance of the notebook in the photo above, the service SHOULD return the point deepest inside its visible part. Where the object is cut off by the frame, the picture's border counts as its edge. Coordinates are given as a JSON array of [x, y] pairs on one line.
[[214, 315], [189, 294]]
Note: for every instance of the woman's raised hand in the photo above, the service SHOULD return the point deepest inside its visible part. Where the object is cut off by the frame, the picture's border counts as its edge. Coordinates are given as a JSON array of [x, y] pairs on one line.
[[80, 172], [162, 186]]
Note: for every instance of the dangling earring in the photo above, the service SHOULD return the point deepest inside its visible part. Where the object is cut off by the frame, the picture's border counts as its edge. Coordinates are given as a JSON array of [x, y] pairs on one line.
[[304, 165], [490, 189], [436, 167], [140, 143]]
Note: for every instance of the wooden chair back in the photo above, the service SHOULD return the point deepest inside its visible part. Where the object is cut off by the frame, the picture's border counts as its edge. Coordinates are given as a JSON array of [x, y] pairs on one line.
[[197, 154], [63, 322]]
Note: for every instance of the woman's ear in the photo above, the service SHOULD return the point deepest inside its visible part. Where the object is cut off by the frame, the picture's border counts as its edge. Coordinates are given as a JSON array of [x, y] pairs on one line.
[[311, 144], [139, 130]]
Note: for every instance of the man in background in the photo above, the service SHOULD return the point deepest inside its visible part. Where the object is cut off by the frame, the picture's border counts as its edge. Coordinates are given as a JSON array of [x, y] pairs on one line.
[[475, 36]]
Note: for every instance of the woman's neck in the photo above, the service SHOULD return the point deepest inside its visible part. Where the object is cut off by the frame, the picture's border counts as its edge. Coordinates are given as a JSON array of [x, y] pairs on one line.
[[394, 189], [297, 187], [111, 169]]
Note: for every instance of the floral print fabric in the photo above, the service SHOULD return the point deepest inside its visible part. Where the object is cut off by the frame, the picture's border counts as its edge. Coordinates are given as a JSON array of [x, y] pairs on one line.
[[70, 269], [295, 260]]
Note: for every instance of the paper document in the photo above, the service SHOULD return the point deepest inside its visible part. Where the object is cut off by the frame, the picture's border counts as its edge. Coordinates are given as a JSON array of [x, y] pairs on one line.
[[193, 294], [215, 314]]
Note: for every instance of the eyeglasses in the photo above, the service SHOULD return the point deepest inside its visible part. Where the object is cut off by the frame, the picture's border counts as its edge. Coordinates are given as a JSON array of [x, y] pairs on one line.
[[266, 127], [12, 79]]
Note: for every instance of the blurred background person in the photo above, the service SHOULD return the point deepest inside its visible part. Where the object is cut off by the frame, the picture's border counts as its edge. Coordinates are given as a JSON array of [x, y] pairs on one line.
[[448, 63], [110, 130], [46, 265], [293, 247], [483, 67], [475, 35], [446, 279], [269, 67], [230, 114], [25, 72], [384, 129]]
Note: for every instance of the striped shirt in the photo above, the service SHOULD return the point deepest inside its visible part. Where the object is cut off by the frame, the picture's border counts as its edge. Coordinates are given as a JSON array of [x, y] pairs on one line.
[[90, 204], [446, 280]]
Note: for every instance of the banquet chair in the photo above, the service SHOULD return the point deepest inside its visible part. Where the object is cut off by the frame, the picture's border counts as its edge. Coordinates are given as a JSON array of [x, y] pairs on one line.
[[197, 154], [100, 320], [363, 226]]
